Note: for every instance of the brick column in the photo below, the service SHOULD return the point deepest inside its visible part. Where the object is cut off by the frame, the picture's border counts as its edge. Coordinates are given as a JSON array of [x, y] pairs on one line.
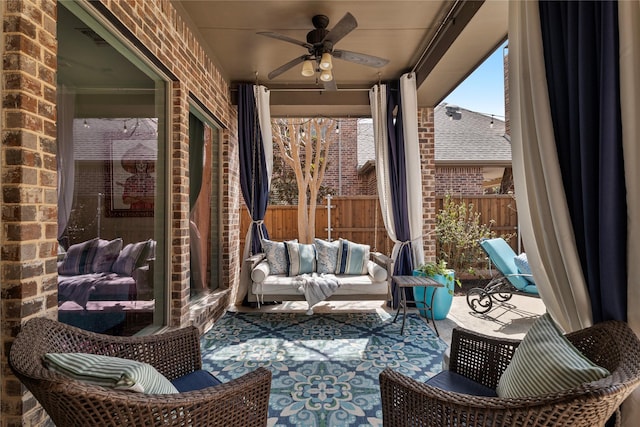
[[28, 236], [427, 160]]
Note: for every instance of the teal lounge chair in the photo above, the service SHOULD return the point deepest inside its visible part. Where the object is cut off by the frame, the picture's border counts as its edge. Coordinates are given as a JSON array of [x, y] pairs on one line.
[[507, 280]]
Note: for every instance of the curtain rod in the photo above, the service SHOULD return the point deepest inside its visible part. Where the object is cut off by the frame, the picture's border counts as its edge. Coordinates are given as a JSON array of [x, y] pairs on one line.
[[444, 22], [318, 90], [309, 89]]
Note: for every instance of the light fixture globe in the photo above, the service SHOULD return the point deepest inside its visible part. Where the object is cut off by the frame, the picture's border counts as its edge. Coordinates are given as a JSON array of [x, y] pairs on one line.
[[326, 76], [325, 61], [307, 68]]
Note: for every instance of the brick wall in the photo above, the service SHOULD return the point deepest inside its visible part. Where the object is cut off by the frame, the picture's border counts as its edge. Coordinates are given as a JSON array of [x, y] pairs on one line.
[[28, 180], [342, 172], [459, 180], [426, 137], [29, 177]]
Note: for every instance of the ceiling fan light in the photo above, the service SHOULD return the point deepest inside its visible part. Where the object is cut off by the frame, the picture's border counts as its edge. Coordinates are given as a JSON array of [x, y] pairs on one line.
[[307, 68], [325, 61], [326, 76]]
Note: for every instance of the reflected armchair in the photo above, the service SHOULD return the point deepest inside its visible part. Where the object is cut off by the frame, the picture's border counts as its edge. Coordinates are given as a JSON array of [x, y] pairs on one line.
[[240, 402]]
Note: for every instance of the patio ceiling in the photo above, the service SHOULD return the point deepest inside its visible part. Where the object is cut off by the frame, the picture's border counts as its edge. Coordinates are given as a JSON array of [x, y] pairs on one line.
[[443, 41]]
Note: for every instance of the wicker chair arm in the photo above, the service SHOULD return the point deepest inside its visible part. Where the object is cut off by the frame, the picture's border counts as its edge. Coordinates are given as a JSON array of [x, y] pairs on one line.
[[173, 354], [407, 402], [479, 357], [240, 402]]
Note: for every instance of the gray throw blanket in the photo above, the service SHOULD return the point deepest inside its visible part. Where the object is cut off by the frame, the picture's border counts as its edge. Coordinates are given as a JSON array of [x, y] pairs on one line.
[[316, 288]]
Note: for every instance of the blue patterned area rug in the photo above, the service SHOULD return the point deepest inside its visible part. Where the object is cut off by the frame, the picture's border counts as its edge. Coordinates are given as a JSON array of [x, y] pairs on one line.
[[325, 367]]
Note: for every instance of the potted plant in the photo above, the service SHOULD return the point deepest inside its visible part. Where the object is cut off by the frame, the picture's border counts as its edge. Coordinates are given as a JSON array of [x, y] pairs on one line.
[[444, 296]]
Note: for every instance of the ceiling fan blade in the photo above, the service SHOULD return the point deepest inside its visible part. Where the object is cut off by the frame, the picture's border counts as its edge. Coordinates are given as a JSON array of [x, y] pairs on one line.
[[285, 38], [360, 58], [347, 24], [275, 73], [330, 85]]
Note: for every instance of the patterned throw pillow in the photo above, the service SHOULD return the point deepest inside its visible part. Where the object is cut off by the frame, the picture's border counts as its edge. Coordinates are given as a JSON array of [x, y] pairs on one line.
[[301, 258], [546, 362], [327, 256], [131, 257], [78, 259], [112, 372], [352, 258], [522, 264], [106, 254], [275, 256]]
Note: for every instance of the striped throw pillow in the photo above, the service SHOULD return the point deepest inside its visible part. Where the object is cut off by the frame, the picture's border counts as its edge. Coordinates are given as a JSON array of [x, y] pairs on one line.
[[111, 372], [131, 257], [107, 252], [301, 258], [79, 258], [546, 362], [352, 258]]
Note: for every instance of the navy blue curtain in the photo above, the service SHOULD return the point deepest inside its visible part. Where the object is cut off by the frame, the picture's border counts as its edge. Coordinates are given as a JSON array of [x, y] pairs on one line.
[[253, 171], [398, 182], [580, 41]]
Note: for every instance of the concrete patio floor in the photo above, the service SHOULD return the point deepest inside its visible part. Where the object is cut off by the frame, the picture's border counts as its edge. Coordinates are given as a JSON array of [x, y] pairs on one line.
[[511, 319]]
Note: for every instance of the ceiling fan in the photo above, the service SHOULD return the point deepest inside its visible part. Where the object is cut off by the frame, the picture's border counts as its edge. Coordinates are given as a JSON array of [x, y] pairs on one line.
[[320, 46]]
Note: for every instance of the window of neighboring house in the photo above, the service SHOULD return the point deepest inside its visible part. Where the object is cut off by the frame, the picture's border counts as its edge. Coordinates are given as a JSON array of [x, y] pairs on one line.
[[204, 203], [112, 174]]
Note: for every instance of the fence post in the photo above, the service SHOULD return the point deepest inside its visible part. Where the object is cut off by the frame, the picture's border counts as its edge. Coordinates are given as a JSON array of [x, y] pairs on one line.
[[329, 217]]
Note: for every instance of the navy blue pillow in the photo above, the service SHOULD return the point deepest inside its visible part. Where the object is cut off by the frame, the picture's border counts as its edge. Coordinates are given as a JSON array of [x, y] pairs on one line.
[[196, 380]]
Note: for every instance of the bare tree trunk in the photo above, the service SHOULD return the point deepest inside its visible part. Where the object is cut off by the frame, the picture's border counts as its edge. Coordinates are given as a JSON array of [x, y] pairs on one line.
[[315, 137]]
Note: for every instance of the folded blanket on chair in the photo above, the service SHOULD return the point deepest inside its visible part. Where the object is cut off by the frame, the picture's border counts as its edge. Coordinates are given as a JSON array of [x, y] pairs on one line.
[[316, 287]]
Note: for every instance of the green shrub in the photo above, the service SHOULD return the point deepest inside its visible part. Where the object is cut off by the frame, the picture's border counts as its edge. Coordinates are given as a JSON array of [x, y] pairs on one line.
[[459, 229]]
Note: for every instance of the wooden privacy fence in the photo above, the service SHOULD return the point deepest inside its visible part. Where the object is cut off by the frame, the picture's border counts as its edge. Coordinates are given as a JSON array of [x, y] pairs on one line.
[[359, 219]]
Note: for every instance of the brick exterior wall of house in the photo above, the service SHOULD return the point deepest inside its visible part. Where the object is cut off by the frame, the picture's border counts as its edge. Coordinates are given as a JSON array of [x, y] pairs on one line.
[[29, 178], [426, 138], [342, 172], [459, 180]]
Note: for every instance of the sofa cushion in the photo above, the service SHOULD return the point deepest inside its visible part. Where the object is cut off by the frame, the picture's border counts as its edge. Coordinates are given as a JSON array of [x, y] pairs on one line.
[[301, 258], [327, 256], [106, 254], [546, 362], [132, 256], [276, 256], [78, 259], [112, 372], [352, 258]]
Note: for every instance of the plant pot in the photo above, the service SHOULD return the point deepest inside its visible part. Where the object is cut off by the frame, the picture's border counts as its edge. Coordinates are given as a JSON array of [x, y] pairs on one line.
[[441, 301]]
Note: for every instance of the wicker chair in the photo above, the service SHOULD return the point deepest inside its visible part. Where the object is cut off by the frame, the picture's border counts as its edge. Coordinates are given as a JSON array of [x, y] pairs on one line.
[[241, 402], [612, 345]]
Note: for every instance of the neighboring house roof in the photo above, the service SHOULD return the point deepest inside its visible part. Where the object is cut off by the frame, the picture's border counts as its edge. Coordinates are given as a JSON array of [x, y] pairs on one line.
[[468, 138]]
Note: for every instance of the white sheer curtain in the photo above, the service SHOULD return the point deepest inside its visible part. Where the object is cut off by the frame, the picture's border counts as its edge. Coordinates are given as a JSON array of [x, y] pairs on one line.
[[629, 21], [65, 156], [378, 100], [409, 98], [413, 176]]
